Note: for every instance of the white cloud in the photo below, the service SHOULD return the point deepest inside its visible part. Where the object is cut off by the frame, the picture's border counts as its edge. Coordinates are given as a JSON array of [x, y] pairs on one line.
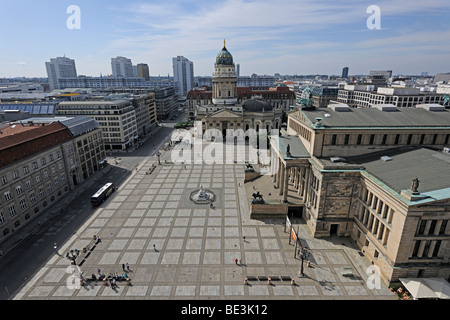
[[267, 36]]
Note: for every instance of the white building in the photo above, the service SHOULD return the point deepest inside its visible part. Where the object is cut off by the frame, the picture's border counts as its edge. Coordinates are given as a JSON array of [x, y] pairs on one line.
[[183, 74], [60, 67], [116, 118], [121, 67], [366, 95], [21, 88], [256, 81]]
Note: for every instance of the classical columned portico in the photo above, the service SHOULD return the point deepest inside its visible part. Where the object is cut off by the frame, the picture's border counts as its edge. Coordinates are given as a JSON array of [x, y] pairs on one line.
[[289, 165]]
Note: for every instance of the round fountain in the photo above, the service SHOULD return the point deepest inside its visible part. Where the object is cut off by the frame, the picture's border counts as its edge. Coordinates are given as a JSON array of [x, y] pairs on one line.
[[202, 196]]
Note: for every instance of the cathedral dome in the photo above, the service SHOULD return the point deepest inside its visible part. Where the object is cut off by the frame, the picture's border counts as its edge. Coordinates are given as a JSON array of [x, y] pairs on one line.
[[224, 57], [257, 105]]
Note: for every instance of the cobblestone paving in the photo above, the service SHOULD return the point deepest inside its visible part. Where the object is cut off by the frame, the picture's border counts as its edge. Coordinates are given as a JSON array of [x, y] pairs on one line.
[[177, 249]]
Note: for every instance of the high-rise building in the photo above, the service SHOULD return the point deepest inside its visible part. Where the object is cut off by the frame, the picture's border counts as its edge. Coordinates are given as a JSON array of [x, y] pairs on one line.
[[345, 72], [183, 73], [143, 71], [58, 68], [121, 67]]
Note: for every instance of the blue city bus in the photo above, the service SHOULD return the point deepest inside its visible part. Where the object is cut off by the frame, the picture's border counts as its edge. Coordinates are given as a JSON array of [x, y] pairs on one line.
[[102, 194]]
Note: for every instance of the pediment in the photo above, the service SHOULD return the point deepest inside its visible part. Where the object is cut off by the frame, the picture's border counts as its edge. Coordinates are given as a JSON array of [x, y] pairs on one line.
[[224, 113]]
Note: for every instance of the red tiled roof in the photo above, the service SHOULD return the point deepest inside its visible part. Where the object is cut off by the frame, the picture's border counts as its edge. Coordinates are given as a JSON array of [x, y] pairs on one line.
[[20, 142]]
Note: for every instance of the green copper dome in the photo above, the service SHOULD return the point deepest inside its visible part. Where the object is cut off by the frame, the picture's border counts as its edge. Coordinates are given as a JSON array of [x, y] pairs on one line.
[[224, 57]]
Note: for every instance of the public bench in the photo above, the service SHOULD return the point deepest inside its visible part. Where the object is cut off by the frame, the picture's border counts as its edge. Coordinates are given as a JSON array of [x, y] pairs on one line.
[[347, 271]]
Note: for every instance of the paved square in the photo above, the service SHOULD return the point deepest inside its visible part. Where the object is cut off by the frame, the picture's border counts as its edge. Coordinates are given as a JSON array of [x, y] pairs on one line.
[[179, 249]]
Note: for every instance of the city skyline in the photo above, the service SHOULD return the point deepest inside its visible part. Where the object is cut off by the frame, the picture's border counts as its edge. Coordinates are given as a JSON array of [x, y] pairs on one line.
[[297, 37]]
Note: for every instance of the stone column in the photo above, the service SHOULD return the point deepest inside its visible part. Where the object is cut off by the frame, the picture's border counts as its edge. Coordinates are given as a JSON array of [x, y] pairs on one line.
[[385, 236], [300, 182], [286, 186], [273, 166], [421, 247], [427, 227], [282, 176], [437, 227], [306, 184], [279, 173], [295, 178], [431, 248]]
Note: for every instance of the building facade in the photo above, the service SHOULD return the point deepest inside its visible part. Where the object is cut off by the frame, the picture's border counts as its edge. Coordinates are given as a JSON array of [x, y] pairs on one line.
[[379, 176], [183, 75], [364, 95], [145, 109], [221, 111], [281, 97], [122, 67], [32, 172], [59, 68], [166, 101], [116, 118], [143, 71], [345, 73]]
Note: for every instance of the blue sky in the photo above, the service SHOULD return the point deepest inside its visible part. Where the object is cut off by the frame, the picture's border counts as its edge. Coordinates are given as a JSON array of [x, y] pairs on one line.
[[265, 37]]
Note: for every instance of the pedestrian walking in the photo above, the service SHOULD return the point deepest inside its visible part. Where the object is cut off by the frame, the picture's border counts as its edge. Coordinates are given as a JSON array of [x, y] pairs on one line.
[[128, 267], [123, 267], [236, 261], [154, 247]]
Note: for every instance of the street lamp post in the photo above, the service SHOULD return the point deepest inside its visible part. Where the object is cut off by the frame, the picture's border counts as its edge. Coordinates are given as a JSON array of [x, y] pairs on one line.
[[304, 255], [158, 154]]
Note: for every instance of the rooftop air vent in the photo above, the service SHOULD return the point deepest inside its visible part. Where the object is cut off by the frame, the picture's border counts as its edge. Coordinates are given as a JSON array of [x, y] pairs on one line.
[[386, 158], [385, 107], [337, 159], [339, 107], [431, 107]]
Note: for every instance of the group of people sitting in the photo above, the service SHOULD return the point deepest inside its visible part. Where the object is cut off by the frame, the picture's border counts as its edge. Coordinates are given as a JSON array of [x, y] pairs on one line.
[[111, 278]]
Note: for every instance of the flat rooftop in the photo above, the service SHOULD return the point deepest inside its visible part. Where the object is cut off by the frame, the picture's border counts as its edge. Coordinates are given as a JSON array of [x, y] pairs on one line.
[[296, 147], [432, 168], [373, 118]]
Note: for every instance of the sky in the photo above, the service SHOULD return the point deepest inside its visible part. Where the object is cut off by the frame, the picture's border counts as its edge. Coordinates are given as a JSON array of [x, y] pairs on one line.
[[264, 36]]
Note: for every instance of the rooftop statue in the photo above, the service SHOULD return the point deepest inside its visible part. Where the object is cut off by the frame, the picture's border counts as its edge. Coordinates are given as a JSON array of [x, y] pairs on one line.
[[446, 100], [415, 185], [306, 98]]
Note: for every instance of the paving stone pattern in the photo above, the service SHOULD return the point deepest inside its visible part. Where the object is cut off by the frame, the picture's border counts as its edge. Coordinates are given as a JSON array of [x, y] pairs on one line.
[[196, 246]]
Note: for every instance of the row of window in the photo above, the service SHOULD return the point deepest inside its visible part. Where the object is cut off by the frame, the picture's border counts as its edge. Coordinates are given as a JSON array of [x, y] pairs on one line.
[[313, 190], [376, 215], [34, 164], [32, 199], [388, 139], [426, 248], [19, 190], [12, 212], [435, 227]]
